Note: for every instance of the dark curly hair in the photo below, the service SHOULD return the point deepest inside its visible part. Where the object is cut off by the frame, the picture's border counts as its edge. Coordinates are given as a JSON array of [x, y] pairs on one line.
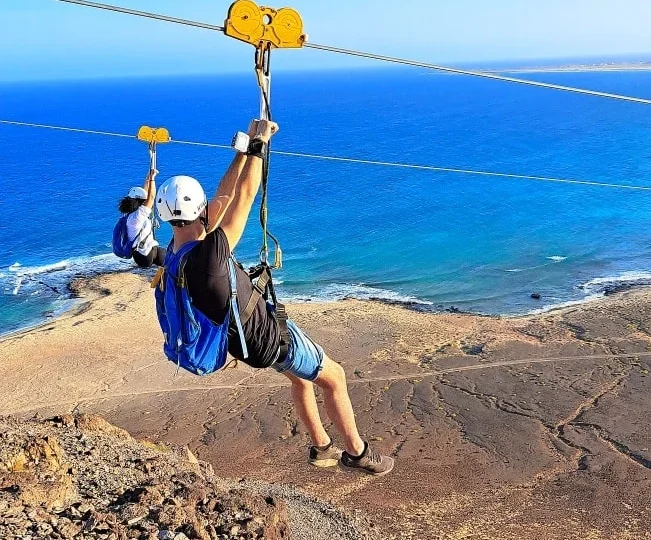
[[128, 205]]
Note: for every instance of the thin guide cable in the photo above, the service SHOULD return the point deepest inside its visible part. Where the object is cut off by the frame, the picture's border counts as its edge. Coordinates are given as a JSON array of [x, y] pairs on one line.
[[462, 171], [62, 128], [482, 74], [350, 160], [146, 14]]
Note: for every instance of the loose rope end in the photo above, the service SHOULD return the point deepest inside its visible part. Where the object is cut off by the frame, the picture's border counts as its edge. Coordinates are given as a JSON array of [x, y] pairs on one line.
[[278, 258]]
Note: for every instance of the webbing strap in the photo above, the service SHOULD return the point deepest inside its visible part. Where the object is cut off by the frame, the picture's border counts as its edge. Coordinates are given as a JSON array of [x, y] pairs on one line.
[[235, 308], [259, 288], [264, 287], [140, 245], [263, 73], [281, 317], [152, 167]]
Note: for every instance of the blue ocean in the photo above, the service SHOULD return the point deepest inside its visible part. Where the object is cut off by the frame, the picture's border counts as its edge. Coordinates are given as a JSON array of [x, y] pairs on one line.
[[433, 240]]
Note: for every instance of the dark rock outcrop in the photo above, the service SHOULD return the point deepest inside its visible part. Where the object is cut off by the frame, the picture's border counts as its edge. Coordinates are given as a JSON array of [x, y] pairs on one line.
[[83, 478]]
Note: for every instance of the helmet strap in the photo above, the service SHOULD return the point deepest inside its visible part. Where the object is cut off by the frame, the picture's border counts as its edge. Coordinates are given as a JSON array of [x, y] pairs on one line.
[[204, 219]]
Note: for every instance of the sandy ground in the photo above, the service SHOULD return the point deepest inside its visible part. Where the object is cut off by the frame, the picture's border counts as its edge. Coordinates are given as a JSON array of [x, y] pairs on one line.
[[527, 428]]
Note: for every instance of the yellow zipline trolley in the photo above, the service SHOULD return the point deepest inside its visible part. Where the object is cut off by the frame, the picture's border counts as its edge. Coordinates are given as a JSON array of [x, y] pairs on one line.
[[153, 137], [262, 26]]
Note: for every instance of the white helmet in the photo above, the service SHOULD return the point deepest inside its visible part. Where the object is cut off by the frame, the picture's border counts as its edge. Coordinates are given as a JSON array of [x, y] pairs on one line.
[[137, 193], [180, 198]]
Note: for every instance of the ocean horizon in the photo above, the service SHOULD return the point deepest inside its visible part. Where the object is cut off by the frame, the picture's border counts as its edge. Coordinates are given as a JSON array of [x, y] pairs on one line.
[[431, 240]]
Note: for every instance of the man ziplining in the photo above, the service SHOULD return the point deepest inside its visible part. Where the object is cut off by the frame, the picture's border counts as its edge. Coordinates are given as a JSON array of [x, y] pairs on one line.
[[201, 289]]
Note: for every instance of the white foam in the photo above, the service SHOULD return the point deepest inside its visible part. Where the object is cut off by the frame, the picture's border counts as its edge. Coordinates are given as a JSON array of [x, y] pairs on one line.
[[512, 270], [596, 288], [341, 291], [20, 270], [55, 277], [16, 290], [630, 277], [569, 303], [553, 259]]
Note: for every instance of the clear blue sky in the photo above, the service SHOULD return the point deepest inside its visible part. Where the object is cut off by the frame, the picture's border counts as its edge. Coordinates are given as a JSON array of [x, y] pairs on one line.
[[46, 39]]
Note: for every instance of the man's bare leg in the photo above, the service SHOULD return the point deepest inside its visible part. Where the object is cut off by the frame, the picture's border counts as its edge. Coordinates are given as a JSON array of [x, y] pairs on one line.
[[307, 409], [332, 380]]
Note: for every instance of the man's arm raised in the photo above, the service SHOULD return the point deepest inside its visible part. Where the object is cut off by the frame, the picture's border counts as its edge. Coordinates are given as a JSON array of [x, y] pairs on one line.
[[225, 193], [237, 213]]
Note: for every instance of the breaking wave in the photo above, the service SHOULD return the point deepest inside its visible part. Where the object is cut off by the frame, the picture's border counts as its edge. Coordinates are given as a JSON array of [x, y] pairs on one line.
[[568, 303], [342, 291], [553, 259], [622, 281], [599, 287], [54, 278]]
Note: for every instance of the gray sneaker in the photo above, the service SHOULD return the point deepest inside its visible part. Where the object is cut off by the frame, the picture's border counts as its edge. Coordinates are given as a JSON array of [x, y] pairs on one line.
[[369, 462], [325, 458]]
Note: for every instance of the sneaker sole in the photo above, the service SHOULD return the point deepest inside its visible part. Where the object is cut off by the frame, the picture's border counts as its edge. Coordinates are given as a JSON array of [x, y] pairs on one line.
[[365, 471], [324, 463]]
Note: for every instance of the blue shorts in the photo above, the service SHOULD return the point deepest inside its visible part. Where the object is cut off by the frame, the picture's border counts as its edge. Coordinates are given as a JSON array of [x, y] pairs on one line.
[[304, 357]]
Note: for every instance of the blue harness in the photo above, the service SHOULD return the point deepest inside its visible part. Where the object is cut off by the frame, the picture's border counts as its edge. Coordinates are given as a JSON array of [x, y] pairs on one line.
[[192, 341]]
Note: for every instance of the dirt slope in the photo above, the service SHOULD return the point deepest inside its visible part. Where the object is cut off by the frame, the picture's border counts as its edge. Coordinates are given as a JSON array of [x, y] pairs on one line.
[[529, 428]]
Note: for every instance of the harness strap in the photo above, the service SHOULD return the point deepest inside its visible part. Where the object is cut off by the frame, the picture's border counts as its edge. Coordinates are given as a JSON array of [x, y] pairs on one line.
[[235, 308], [142, 242], [158, 279], [259, 289], [281, 317], [139, 242], [264, 287]]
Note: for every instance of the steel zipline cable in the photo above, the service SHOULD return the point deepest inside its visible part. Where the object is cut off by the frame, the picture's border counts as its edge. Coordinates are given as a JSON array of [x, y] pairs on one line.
[[371, 56], [350, 160], [482, 74], [146, 14]]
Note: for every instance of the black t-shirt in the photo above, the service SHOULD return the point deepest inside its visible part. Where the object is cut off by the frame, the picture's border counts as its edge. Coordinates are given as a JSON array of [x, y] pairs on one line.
[[208, 282]]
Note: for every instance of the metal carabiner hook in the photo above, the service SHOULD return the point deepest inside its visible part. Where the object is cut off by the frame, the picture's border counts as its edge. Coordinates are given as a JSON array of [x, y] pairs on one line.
[[263, 74], [152, 156]]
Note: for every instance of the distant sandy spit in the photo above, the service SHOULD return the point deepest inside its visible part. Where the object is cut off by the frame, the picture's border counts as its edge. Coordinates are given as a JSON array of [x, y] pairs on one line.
[[579, 68]]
